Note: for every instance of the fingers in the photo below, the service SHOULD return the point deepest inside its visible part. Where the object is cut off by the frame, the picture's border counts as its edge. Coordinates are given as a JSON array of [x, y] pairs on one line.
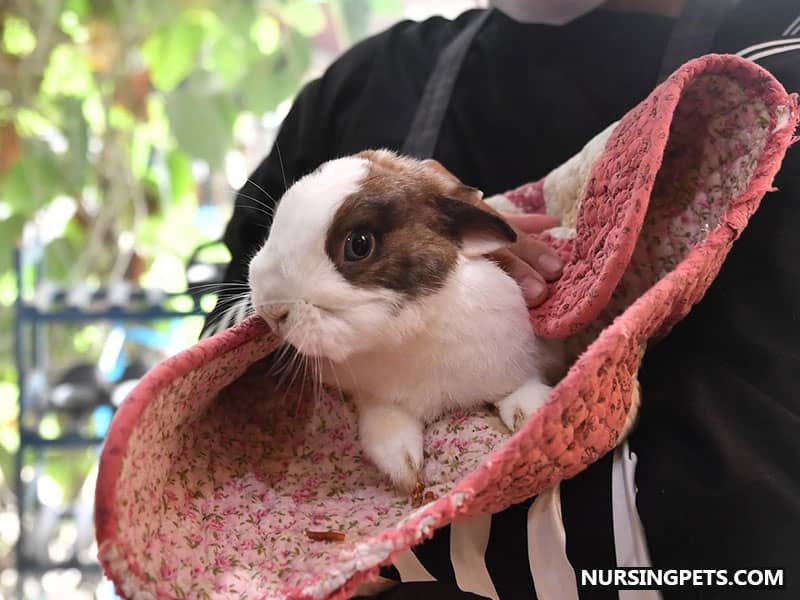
[[538, 255], [530, 262], [531, 223], [535, 252], [533, 285]]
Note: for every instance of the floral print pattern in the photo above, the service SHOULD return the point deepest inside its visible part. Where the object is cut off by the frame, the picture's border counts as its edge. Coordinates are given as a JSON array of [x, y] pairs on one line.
[[211, 475]]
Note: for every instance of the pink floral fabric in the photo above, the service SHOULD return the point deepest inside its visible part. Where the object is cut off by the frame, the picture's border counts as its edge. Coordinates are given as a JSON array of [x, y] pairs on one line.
[[219, 487], [211, 476]]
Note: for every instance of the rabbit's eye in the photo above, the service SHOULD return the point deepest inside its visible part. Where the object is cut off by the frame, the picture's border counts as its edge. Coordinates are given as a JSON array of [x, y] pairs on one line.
[[358, 245]]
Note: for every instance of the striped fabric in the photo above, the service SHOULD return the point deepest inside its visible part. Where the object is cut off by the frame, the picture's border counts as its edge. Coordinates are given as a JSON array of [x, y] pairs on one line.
[[524, 552]]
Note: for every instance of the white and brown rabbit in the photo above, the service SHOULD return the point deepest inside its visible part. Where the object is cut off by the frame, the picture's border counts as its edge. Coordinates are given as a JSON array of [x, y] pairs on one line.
[[376, 264]]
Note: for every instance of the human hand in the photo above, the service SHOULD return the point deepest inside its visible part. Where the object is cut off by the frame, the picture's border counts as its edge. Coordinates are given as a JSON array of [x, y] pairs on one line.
[[531, 262]]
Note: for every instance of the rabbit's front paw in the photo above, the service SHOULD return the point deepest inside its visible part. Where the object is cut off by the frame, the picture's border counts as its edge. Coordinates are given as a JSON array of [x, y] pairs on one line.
[[516, 408], [392, 440]]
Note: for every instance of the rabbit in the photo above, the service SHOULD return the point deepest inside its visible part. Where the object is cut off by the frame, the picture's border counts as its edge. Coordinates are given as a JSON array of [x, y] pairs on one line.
[[376, 266]]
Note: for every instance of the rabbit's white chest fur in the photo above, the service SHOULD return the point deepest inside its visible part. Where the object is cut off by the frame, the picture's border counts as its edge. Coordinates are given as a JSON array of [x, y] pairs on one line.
[[477, 347]]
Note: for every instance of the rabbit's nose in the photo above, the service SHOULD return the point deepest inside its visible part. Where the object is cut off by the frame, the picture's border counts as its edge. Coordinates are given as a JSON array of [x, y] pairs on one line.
[[275, 315], [275, 312]]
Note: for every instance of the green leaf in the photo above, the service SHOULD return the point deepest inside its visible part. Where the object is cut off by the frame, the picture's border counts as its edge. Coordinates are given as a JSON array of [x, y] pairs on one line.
[[237, 15], [180, 174], [277, 77], [230, 56], [140, 152], [120, 118], [167, 239], [215, 253], [49, 427], [61, 256], [201, 124], [306, 16], [94, 113], [270, 82], [167, 272], [158, 124], [205, 83], [10, 231], [15, 187], [355, 14], [159, 11], [386, 8], [157, 179], [68, 467], [70, 22], [79, 7], [74, 234], [67, 73], [228, 111], [9, 442], [76, 130], [43, 172], [8, 401], [171, 52], [32, 180], [8, 293], [148, 230], [266, 33], [88, 337], [32, 124], [18, 37], [298, 49]]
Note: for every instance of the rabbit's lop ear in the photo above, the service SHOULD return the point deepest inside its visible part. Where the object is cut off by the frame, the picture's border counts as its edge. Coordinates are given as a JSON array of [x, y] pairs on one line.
[[461, 192], [440, 168], [479, 232]]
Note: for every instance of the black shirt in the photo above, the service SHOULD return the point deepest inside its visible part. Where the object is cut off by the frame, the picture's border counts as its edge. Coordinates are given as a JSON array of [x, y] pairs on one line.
[[528, 97], [718, 440]]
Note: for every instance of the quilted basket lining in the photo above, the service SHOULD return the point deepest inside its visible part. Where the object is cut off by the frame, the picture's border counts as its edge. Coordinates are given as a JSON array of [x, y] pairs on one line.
[[715, 139], [198, 511]]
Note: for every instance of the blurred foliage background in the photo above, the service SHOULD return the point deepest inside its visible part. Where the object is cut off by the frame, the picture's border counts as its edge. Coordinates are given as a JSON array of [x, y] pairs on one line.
[[125, 126]]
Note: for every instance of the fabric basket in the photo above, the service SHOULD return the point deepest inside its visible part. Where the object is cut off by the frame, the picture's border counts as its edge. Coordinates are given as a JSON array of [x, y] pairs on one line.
[[211, 475]]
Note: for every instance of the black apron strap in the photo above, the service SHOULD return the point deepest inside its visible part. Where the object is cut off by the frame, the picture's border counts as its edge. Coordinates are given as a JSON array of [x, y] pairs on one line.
[[692, 36], [693, 33], [424, 132]]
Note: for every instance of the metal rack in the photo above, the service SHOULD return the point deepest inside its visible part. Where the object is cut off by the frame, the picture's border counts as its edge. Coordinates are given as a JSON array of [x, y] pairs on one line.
[[38, 307]]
